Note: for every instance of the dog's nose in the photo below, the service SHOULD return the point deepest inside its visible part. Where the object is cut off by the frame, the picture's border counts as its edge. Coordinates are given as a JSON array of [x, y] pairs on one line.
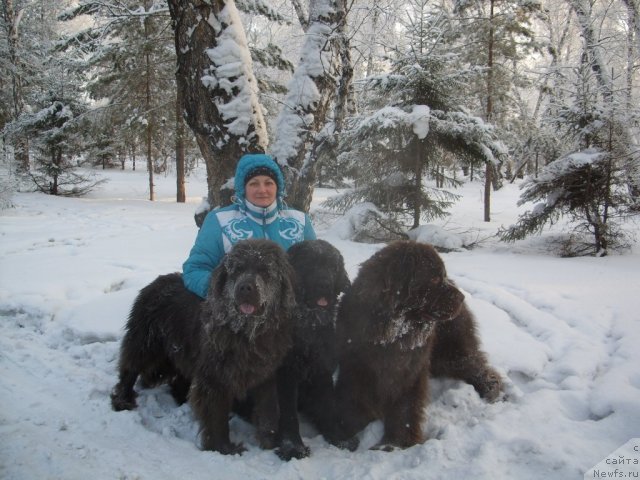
[[245, 288]]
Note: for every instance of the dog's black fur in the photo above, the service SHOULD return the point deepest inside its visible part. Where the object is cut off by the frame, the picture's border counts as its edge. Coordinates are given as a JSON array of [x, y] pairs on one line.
[[227, 346], [305, 380], [401, 322]]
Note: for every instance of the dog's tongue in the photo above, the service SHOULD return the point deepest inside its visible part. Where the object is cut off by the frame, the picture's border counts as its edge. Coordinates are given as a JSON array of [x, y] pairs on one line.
[[322, 302], [247, 308]]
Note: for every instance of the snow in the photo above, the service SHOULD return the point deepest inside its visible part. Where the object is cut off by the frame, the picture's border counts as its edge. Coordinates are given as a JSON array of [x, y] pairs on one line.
[[303, 94], [353, 220], [232, 72], [563, 332], [419, 119], [437, 236], [571, 162]]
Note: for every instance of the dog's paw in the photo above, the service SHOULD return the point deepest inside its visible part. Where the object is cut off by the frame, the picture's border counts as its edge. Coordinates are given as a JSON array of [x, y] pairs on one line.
[[288, 450], [267, 440], [121, 402], [384, 447], [231, 449], [489, 386], [350, 444]]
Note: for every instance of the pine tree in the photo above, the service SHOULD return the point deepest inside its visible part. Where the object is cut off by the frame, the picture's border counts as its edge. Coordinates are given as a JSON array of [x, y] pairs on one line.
[[413, 123], [24, 34], [588, 188], [54, 115], [57, 129], [131, 61], [589, 184], [495, 34]]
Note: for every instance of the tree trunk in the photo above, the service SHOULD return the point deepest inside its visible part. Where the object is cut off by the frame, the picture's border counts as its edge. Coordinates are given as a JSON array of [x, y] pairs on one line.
[[148, 102], [598, 65], [212, 93], [310, 94], [543, 88], [633, 22], [633, 10], [488, 169], [12, 19], [372, 43], [303, 18], [181, 195], [56, 160], [583, 13], [417, 171]]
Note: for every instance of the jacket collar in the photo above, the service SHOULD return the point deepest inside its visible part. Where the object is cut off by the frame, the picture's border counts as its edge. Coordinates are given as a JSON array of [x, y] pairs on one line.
[[261, 215]]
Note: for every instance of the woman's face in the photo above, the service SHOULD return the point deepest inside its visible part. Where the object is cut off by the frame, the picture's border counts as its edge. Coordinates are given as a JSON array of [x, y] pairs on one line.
[[261, 190]]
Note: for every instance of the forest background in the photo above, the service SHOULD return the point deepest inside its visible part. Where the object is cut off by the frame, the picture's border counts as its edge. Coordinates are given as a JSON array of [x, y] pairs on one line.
[[396, 100]]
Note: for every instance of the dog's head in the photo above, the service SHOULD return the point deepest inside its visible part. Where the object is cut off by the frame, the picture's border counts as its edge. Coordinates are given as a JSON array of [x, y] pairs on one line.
[[411, 291], [320, 274], [253, 281]]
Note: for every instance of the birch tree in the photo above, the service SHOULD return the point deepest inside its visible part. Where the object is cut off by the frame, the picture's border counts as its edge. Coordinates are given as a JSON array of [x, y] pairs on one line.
[[14, 66], [595, 34]]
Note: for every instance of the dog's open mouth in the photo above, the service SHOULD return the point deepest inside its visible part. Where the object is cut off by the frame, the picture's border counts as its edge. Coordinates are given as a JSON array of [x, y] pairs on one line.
[[322, 302], [249, 309]]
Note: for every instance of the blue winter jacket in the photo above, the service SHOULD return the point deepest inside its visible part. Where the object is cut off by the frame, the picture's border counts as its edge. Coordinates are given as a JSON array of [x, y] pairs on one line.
[[223, 227]]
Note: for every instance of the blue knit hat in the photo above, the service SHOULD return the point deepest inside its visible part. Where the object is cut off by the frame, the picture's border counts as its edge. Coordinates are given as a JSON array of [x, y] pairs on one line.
[[247, 164]]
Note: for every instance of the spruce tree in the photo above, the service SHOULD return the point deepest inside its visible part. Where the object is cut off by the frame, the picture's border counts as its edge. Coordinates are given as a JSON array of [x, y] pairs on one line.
[[131, 66], [494, 35], [412, 125], [588, 184]]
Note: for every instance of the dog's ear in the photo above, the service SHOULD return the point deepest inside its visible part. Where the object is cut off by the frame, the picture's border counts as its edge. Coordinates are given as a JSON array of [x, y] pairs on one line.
[[343, 280], [288, 297], [218, 280]]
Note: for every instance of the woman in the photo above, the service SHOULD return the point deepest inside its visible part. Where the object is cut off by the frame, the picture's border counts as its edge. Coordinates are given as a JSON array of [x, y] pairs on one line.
[[258, 212]]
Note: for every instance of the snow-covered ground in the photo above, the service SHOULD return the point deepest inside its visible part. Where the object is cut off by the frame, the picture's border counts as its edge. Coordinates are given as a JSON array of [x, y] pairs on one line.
[[565, 333]]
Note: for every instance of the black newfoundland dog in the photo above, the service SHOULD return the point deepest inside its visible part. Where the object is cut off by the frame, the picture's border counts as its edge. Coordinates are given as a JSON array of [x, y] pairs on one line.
[[305, 380], [225, 347], [401, 322]]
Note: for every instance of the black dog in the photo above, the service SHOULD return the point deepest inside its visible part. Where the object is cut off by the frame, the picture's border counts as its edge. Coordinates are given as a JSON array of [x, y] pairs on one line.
[[305, 380], [227, 346], [401, 322]]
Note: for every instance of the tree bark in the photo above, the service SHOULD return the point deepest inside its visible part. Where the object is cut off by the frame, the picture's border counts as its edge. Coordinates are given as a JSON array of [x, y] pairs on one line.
[[308, 101], [633, 9], [598, 65], [420, 161], [211, 91], [303, 18], [181, 194], [12, 22], [489, 169], [633, 22], [148, 116]]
